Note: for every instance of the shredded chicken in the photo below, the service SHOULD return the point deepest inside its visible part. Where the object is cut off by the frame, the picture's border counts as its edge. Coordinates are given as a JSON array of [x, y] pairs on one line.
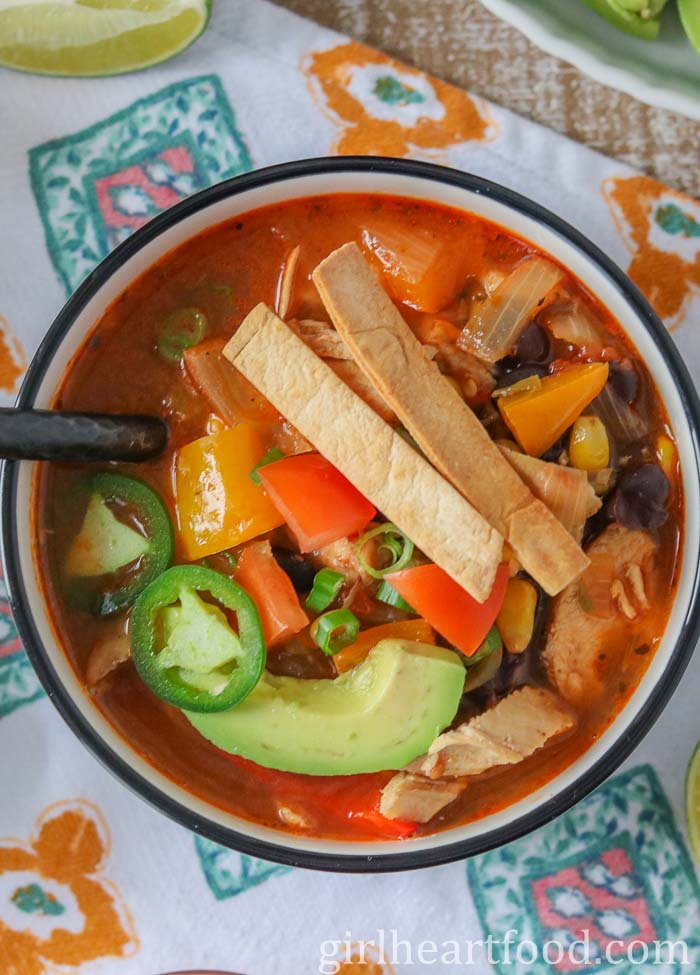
[[622, 600], [636, 581], [579, 643], [342, 557], [513, 729]]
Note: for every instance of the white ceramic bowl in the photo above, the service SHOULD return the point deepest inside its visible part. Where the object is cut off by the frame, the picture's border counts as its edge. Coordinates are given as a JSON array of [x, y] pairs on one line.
[[274, 185]]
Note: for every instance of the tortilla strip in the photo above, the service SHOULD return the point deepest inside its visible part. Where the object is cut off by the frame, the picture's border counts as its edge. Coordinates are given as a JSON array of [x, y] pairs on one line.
[[444, 427], [378, 461]]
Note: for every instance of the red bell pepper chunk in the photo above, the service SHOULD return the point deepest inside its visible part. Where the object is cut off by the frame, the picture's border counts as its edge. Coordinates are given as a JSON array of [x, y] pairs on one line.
[[455, 614], [318, 503], [272, 592]]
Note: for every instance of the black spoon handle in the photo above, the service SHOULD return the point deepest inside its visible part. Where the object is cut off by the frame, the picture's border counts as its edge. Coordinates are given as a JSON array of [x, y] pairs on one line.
[[48, 435]]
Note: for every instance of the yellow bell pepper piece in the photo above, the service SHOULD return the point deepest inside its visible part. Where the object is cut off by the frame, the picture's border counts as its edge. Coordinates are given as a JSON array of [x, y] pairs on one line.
[[538, 417], [418, 630], [589, 447], [218, 505], [516, 620]]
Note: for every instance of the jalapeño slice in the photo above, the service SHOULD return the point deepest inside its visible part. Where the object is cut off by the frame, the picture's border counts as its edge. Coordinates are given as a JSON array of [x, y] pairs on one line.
[[111, 561], [185, 649]]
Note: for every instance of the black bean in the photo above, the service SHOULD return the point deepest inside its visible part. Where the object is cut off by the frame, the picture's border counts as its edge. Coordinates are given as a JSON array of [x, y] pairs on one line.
[[534, 345], [297, 568], [640, 499], [624, 379], [518, 372]]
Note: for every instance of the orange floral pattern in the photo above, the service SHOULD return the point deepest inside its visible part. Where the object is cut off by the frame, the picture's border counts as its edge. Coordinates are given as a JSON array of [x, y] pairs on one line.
[[13, 361], [363, 959], [385, 108], [57, 909], [661, 228]]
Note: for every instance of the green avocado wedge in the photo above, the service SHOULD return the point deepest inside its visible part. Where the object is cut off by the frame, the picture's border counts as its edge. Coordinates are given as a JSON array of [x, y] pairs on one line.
[[690, 18], [381, 715], [640, 18]]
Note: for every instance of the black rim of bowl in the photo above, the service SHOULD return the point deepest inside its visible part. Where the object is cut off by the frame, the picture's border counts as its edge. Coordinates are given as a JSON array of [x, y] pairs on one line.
[[346, 862]]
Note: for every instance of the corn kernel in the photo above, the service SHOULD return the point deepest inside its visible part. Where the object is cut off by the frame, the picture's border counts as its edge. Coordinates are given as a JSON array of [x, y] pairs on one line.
[[589, 447], [516, 620], [667, 456]]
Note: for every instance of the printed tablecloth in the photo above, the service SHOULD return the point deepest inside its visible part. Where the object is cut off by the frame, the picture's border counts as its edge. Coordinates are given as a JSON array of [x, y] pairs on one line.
[[93, 881]]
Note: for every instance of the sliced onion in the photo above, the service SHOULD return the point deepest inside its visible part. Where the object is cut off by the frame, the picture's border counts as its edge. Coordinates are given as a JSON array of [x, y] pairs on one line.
[[576, 326], [495, 326], [565, 490], [621, 420]]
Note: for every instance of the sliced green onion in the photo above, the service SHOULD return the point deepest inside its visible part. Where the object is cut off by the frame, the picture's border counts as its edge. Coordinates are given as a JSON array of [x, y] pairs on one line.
[[394, 541], [387, 594], [231, 559], [336, 630], [269, 458], [181, 330], [492, 642], [327, 585]]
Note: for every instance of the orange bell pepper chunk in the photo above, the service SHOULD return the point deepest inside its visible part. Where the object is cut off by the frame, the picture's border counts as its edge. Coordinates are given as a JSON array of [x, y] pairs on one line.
[[351, 656], [272, 591], [451, 610], [218, 506], [538, 417]]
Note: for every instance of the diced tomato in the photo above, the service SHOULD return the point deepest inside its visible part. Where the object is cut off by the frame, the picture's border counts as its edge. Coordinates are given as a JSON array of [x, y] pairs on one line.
[[316, 501], [449, 608], [272, 592]]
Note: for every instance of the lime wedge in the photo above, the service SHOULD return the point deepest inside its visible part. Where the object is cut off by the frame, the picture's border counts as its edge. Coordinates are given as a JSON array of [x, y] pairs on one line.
[[96, 37], [692, 802], [690, 17]]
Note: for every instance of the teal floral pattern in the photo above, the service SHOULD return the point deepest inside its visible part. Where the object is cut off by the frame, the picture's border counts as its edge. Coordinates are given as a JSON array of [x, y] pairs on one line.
[[18, 683], [229, 873], [96, 187], [613, 870]]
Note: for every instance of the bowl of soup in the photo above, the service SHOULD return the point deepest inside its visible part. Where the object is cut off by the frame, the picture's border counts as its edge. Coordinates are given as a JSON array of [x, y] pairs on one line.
[[418, 567]]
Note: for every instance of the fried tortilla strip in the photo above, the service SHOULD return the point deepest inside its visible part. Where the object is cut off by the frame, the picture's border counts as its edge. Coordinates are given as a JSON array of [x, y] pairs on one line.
[[444, 427], [367, 450]]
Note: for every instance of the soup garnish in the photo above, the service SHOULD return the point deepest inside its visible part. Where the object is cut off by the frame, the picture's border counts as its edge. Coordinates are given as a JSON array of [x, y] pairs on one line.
[[403, 561]]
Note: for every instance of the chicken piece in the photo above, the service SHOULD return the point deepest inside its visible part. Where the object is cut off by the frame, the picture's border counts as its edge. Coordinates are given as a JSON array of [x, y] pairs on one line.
[[507, 733], [417, 798], [474, 377], [341, 556], [579, 644]]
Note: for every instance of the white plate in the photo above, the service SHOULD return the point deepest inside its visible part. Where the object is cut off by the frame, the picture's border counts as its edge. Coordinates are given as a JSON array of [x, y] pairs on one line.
[[665, 73]]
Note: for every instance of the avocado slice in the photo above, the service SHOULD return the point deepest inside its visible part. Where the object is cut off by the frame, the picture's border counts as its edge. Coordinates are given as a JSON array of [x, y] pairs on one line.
[[381, 715]]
